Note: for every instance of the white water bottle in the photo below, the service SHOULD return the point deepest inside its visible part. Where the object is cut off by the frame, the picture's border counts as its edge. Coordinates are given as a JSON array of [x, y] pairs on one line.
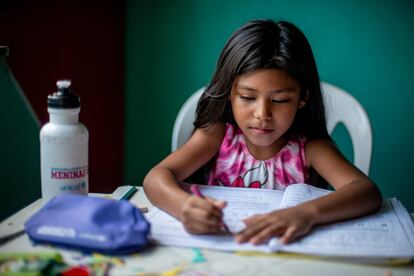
[[63, 146]]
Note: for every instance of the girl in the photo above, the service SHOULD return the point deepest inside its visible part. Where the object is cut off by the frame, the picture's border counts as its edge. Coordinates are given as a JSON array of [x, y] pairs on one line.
[[261, 123]]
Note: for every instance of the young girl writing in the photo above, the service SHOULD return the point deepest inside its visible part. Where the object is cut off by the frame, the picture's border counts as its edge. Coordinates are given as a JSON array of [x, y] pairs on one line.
[[261, 123]]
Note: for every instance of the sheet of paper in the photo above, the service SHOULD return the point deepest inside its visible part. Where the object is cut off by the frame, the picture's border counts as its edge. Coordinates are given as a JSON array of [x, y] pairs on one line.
[[241, 203], [299, 193], [387, 233], [377, 235], [169, 231]]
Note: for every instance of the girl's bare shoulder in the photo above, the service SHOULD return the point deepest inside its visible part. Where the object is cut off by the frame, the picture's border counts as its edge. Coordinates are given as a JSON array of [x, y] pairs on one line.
[[328, 161], [211, 135], [316, 148]]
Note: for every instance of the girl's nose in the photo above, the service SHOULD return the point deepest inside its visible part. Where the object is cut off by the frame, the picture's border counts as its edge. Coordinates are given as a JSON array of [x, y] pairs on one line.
[[262, 111]]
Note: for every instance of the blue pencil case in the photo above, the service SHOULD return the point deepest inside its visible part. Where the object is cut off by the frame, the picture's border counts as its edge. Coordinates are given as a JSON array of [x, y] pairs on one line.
[[90, 224]]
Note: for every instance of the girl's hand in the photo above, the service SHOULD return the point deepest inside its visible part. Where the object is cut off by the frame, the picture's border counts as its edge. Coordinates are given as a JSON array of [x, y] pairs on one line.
[[202, 215], [287, 224]]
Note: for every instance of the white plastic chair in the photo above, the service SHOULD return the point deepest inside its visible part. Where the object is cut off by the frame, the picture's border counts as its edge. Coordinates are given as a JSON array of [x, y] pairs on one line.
[[183, 126], [341, 107]]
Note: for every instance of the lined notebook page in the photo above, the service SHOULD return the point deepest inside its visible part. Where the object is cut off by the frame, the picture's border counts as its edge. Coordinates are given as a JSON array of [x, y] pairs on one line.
[[378, 235], [299, 193], [241, 203], [387, 233]]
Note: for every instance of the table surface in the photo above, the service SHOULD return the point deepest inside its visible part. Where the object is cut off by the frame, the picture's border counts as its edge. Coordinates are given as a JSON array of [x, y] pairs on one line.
[[170, 260]]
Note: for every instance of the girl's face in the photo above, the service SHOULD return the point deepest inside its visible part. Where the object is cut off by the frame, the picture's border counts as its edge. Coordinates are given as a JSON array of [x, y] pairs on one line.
[[264, 104]]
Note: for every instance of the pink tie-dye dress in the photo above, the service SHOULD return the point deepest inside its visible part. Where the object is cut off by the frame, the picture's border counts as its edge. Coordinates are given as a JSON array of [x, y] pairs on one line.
[[236, 167]]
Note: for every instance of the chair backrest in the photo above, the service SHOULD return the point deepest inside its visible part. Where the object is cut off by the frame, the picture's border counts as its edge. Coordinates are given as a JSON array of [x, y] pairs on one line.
[[183, 126], [340, 106]]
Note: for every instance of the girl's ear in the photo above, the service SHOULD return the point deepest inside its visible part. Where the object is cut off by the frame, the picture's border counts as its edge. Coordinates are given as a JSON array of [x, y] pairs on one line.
[[302, 102]]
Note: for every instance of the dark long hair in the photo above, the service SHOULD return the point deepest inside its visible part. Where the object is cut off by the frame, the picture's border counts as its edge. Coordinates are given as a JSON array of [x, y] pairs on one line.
[[265, 44]]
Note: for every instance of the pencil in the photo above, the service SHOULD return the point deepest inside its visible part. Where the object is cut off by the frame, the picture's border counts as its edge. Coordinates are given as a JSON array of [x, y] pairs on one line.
[[195, 190]]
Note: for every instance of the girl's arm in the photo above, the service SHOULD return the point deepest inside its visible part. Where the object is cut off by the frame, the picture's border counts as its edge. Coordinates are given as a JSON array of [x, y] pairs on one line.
[[355, 195], [161, 183]]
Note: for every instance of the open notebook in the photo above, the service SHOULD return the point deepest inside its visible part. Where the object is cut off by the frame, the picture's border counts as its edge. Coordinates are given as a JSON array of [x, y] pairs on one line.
[[389, 233]]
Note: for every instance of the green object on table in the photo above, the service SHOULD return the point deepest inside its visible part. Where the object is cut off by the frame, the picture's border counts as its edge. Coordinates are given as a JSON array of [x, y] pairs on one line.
[[31, 264]]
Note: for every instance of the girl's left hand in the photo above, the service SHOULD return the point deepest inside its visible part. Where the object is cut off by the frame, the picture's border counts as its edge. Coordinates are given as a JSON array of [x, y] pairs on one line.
[[287, 224]]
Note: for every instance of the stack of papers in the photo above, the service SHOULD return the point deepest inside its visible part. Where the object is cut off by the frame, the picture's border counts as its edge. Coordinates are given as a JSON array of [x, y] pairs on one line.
[[386, 234]]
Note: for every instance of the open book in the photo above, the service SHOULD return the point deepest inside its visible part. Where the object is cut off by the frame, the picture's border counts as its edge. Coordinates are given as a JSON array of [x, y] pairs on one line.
[[389, 233]]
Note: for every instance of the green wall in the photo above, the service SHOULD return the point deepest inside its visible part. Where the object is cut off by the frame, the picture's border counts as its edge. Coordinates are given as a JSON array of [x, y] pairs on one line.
[[365, 47]]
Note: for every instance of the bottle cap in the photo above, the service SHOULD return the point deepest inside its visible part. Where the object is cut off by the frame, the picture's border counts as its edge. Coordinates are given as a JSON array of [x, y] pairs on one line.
[[63, 98]]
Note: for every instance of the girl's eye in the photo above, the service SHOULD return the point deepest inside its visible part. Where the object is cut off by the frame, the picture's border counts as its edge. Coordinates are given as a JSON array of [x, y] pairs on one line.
[[246, 98], [280, 101]]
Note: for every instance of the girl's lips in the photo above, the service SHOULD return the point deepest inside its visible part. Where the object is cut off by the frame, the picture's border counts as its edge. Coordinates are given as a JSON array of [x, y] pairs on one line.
[[258, 130]]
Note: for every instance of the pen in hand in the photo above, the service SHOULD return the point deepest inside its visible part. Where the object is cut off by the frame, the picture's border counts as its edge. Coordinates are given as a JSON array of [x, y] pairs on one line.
[[196, 191]]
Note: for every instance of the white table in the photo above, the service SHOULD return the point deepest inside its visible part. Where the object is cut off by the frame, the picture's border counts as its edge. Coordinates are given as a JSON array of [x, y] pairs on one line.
[[187, 261]]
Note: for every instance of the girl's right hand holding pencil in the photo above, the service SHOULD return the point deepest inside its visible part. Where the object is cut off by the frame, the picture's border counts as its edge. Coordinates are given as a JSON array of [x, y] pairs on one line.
[[202, 215]]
